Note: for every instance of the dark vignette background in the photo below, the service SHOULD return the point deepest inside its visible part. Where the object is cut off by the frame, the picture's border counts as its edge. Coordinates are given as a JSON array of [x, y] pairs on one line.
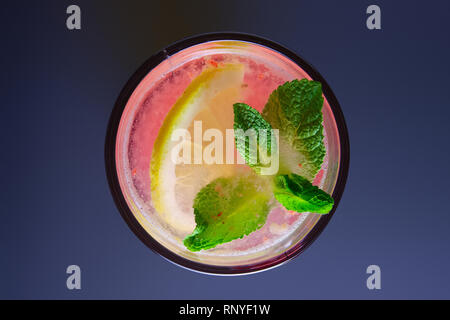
[[58, 89]]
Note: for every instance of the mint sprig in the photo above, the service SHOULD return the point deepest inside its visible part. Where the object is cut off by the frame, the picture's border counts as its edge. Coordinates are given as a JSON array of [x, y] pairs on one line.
[[230, 208]]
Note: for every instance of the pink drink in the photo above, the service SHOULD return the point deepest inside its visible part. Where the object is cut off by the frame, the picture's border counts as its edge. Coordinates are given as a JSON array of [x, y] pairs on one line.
[[145, 112]]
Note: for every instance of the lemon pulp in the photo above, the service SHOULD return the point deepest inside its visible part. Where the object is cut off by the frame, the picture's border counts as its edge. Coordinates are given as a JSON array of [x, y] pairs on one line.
[[209, 99]]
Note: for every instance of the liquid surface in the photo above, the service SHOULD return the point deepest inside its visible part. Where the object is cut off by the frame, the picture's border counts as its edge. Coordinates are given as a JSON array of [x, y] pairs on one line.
[[262, 72]]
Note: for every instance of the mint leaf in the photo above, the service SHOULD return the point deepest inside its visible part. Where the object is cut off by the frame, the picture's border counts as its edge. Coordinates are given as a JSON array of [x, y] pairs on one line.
[[295, 108], [227, 209], [253, 136], [298, 194]]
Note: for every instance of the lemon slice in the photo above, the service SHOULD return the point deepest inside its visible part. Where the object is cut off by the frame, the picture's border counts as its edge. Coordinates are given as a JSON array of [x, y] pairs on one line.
[[209, 99]]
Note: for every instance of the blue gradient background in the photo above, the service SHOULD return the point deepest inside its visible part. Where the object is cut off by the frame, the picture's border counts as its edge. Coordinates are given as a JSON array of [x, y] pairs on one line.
[[58, 89]]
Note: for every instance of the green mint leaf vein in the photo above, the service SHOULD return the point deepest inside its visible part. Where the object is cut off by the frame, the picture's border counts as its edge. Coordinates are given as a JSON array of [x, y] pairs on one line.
[[250, 125], [227, 209], [295, 108], [298, 194]]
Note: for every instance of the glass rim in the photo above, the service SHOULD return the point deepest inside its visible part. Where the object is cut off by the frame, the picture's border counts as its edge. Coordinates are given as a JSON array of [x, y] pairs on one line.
[[111, 169]]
